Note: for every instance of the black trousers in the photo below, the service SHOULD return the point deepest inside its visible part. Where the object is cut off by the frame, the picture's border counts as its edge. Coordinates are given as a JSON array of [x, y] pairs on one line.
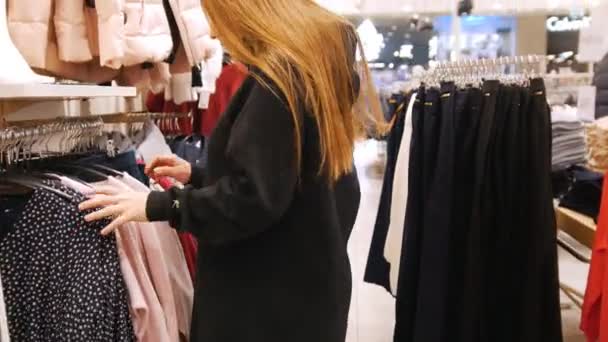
[[479, 258], [377, 270], [409, 266], [540, 318], [468, 118], [435, 247]]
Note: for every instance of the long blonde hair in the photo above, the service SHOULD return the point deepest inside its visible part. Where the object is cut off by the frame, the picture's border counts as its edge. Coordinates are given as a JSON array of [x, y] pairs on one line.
[[308, 53]]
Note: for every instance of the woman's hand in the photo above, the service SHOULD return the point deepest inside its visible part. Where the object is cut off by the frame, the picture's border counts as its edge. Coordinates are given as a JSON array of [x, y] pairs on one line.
[[169, 166], [122, 208]]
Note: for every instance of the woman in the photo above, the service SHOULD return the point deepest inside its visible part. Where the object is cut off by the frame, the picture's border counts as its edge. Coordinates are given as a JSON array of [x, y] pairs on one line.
[[275, 206]]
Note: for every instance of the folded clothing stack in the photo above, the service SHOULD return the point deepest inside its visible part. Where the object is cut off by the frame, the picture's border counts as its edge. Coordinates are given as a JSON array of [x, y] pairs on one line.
[[568, 138], [584, 191], [597, 145]]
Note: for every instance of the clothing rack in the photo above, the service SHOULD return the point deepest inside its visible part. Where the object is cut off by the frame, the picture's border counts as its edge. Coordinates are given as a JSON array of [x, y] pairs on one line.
[[474, 71], [18, 138], [470, 71], [516, 69], [465, 207], [52, 165], [128, 117]]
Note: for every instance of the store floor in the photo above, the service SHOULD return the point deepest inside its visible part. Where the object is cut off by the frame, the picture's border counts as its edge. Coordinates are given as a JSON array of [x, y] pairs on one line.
[[373, 309]]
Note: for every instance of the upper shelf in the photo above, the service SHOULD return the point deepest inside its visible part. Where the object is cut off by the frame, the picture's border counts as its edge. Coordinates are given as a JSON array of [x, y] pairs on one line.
[[42, 91]]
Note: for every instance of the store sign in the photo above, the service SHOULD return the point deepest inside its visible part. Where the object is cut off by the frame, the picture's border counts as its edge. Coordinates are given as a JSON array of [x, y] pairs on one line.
[[557, 24]]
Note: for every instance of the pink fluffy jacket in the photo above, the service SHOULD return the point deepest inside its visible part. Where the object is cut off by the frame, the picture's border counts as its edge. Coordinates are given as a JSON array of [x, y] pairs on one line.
[[67, 39]]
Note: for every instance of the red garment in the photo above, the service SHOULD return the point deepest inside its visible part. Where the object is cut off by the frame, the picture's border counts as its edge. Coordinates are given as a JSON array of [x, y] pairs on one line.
[[157, 103], [165, 182], [594, 321], [187, 240], [226, 86], [190, 246]]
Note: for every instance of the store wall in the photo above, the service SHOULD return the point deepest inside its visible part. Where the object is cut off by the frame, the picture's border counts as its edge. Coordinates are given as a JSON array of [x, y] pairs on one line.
[[531, 35], [482, 7]]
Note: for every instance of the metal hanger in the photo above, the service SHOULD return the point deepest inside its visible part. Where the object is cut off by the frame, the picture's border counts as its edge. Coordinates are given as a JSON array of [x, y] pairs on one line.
[[506, 69]]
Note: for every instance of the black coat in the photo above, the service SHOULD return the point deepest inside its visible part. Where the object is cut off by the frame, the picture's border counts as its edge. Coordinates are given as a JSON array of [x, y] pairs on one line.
[[272, 263]]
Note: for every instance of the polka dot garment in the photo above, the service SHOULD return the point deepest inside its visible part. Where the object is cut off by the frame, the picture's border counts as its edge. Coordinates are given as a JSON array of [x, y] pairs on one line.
[[61, 278]]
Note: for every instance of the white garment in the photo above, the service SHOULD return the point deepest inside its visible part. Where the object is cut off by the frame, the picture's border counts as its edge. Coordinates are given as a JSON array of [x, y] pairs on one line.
[[181, 88], [14, 68], [3, 320], [154, 144], [394, 238], [564, 114], [211, 70]]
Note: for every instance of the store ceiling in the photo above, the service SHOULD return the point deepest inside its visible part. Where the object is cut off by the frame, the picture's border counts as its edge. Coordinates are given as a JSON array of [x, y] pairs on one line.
[[404, 7]]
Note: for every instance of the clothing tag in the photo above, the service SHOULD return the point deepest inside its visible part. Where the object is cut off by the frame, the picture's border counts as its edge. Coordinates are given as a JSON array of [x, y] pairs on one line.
[[197, 80], [110, 150], [586, 103]]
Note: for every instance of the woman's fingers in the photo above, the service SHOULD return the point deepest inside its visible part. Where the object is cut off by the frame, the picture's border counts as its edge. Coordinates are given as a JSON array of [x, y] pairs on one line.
[[97, 201], [110, 211], [105, 190], [164, 171], [159, 161], [117, 223]]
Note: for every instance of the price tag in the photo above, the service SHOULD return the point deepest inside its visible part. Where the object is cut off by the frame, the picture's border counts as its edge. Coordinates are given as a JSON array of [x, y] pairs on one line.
[[586, 103]]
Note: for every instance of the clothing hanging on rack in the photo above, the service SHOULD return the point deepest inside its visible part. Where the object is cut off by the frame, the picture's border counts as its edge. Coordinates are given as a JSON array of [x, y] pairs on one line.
[[394, 237], [3, 320], [152, 44], [147, 277], [479, 216], [479, 210], [52, 263], [189, 148], [594, 321], [158, 103], [377, 270], [180, 282], [149, 322], [229, 81]]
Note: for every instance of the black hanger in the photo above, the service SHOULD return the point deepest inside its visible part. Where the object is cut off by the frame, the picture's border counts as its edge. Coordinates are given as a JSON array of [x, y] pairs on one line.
[[75, 170], [12, 189], [75, 179], [107, 170], [32, 183], [226, 59]]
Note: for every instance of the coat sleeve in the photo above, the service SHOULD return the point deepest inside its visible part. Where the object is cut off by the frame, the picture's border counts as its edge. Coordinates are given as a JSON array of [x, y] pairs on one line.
[[256, 192]]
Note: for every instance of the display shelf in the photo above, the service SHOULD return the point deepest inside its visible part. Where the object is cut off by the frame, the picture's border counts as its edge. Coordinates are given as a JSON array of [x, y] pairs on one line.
[[579, 226], [29, 92]]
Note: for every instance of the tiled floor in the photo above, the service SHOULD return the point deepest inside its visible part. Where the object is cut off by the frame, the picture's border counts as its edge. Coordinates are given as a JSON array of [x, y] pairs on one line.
[[372, 310]]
